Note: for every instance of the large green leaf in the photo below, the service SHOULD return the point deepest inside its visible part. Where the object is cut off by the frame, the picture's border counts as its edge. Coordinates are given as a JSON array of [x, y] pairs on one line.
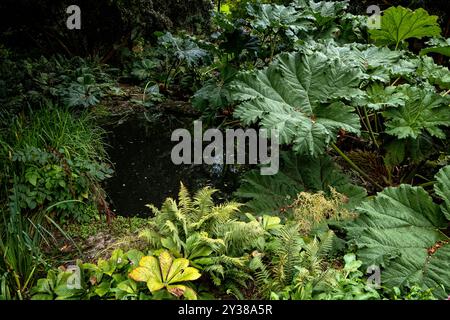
[[324, 12], [442, 189], [376, 63], [423, 111], [399, 24], [434, 73], [268, 194], [379, 97], [396, 231], [298, 95], [445, 51], [275, 18], [437, 45]]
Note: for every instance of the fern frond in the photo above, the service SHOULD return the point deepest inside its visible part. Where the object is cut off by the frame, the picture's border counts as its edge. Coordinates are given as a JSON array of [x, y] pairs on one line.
[[152, 237], [154, 209], [263, 277], [230, 261], [173, 230], [326, 243], [234, 290], [240, 235], [203, 201], [290, 245], [184, 200]]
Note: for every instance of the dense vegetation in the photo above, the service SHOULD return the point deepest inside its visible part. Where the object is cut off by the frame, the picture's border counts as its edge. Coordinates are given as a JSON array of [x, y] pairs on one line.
[[363, 117]]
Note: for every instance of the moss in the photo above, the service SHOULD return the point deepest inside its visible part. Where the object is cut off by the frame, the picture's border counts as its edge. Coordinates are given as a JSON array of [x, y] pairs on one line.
[[119, 227]]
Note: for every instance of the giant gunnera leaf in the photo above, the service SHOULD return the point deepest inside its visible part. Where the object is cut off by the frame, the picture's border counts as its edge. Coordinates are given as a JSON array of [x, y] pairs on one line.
[[399, 24], [437, 45], [442, 189], [401, 230], [275, 18], [434, 73], [269, 194], [300, 96], [424, 111]]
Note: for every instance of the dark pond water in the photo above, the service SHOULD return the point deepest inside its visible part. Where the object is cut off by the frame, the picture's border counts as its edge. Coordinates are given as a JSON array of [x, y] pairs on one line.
[[140, 151]]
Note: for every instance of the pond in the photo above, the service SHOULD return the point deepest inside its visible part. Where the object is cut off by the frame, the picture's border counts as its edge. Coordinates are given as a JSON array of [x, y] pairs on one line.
[[140, 150]]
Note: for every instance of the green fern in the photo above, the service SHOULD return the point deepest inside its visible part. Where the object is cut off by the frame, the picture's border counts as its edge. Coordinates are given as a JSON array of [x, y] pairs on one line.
[[292, 263], [209, 235]]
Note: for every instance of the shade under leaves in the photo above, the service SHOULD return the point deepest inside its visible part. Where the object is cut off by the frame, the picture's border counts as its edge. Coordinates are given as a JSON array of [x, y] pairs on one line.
[[268, 194]]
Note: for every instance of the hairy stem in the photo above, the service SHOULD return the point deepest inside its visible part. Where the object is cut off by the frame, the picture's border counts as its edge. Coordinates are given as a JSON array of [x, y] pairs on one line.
[[354, 166], [369, 126]]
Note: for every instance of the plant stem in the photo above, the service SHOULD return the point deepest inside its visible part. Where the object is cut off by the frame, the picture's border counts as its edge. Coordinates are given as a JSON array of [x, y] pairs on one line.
[[427, 184], [409, 178], [354, 166], [369, 126], [396, 80], [145, 90], [446, 93], [168, 73]]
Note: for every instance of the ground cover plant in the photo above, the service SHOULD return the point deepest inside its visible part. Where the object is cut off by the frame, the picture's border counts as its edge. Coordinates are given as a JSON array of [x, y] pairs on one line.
[[360, 208]]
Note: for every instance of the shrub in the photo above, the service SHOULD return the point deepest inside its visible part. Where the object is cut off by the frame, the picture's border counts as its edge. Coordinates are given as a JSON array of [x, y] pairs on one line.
[[59, 160]]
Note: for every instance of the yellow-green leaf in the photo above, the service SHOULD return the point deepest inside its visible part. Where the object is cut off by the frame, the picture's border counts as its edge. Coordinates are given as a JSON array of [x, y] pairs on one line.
[[187, 274], [177, 266], [151, 263], [189, 294], [140, 274], [165, 261], [154, 284]]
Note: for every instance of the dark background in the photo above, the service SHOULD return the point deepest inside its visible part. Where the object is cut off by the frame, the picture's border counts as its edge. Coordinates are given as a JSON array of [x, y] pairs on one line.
[[40, 26]]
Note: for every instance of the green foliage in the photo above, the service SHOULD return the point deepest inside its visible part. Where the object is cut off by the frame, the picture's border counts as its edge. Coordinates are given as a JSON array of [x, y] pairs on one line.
[[238, 8], [423, 110], [300, 96], [21, 257], [442, 188], [173, 61], [379, 97], [74, 82], [304, 68], [399, 24], [108, 279], [59, 160], [42, 27], [402, 230], [435, 74], [294, 268], [272, 194], [437, 45], [415, 293], [326, 15], [119, 227], [278, 26], [273, 18], [215, 93], [208, 235]]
